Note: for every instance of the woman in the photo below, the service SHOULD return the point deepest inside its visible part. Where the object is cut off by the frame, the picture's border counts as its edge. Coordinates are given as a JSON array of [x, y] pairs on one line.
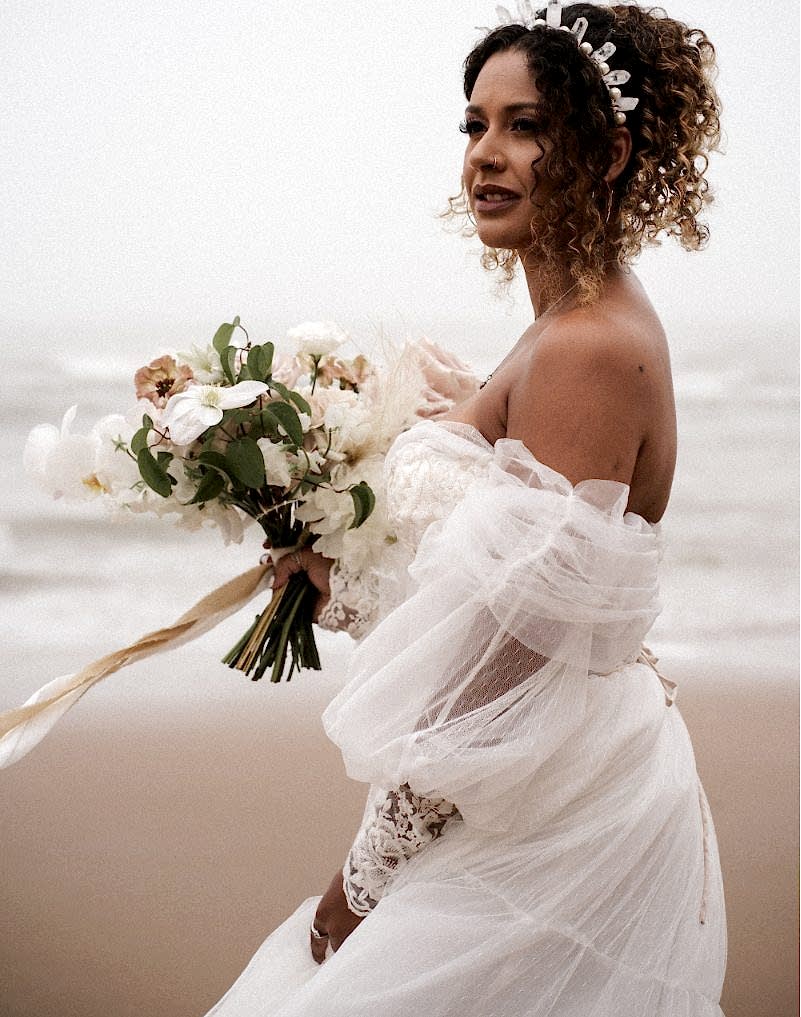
[[536, 840]]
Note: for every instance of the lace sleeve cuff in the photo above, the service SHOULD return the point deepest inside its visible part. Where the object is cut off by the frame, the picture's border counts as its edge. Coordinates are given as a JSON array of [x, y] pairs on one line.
[[402, 824], [352, 604]]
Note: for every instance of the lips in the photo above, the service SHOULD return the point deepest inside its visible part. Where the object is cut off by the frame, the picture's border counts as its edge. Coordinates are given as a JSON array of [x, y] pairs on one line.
[[493, 198]]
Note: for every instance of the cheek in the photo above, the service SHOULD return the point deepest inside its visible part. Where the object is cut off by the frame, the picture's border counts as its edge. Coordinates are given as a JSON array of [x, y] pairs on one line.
[[467, 169]]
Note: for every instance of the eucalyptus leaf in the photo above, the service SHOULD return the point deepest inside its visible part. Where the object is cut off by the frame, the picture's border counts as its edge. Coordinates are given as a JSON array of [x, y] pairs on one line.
[[153, 473], [245, 461], [287, 417], [222, 337]]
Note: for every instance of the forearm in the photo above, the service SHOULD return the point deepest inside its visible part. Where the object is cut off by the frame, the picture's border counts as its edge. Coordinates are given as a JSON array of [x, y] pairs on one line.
[[402, 825], [351, 604]]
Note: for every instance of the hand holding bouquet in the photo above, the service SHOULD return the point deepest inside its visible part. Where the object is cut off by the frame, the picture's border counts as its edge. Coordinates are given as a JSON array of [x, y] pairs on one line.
[[233, 432]]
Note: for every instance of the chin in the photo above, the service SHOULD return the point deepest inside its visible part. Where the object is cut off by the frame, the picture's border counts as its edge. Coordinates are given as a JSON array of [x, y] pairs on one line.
[[502, 239]]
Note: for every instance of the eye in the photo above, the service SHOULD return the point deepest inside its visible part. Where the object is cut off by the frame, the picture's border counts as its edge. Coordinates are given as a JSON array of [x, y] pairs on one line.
[[471, 127], [525, 125]]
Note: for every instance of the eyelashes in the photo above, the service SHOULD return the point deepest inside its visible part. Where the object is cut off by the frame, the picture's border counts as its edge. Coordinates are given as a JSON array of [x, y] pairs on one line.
[[520, 125]]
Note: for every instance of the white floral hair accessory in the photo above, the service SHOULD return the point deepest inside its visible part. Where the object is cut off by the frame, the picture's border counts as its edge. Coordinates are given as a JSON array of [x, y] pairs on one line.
[[621, 104]]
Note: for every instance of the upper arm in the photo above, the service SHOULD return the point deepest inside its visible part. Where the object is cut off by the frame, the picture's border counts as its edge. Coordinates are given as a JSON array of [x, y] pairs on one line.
[[580, 404]]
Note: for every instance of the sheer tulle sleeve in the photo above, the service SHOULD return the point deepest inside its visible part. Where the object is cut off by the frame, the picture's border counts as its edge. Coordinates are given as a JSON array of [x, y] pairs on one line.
[[522, 593]]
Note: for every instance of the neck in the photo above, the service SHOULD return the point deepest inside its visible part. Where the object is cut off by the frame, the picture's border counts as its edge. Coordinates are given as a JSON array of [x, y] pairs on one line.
[[543, 288], [546, 290]]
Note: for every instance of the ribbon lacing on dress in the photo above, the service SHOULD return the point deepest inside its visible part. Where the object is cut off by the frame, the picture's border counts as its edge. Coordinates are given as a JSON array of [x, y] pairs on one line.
[[649, 657]]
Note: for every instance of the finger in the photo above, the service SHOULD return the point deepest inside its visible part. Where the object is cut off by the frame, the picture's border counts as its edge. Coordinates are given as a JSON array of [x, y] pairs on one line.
[[318, 948], [283, 570]]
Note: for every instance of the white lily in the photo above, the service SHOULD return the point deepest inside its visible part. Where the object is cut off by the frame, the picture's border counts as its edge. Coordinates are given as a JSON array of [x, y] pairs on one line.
[[188, 414]]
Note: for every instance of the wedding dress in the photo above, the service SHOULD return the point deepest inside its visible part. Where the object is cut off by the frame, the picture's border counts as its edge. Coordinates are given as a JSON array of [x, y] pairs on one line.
[[536, 841]]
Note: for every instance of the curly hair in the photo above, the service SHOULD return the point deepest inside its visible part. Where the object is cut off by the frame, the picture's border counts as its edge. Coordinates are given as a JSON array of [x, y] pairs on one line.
[[587, 223]]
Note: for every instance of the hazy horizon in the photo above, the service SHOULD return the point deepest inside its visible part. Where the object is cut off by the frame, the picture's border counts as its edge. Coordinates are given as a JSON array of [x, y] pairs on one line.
[[168, 166]]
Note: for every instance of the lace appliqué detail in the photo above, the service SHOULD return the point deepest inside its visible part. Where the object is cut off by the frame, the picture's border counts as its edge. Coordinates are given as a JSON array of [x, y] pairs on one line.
[[353, 603], [403, 824]]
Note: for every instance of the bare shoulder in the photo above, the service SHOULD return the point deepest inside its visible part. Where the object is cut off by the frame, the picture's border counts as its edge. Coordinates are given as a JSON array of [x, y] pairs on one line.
[[581, 400], [598, 342]]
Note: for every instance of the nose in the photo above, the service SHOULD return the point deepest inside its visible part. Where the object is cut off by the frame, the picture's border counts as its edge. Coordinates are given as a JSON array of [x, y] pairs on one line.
[[485, 154]]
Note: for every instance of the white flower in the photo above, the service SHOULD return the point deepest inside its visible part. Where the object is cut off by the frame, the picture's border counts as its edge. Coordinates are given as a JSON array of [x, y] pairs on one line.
[[317, 338], [275, 463], [205, 364], [63, 463], [327, 511], [188, 414]]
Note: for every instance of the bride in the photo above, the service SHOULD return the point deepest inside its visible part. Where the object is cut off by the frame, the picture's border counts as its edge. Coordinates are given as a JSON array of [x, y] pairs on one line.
[[535, 840]]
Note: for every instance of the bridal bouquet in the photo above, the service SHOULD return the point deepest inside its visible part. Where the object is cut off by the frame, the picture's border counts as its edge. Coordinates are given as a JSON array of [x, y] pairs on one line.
[[236, 431]]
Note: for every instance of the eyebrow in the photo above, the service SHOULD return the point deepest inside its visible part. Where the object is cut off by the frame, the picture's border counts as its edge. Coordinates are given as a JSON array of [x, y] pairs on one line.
[[514, 107]]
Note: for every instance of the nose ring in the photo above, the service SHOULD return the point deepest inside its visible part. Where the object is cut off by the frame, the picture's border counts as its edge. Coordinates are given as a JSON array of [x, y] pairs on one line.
[[495, 162]]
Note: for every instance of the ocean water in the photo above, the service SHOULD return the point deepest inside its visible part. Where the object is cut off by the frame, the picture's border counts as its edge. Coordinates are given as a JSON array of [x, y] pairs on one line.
[[74, 584]]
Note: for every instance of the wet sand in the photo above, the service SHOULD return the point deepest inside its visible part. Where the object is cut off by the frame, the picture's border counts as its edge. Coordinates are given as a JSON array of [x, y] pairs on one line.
[[150, 845]]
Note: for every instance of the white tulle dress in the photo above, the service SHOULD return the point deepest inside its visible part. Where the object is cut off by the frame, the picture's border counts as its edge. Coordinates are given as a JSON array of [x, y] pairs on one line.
[[536, 841]]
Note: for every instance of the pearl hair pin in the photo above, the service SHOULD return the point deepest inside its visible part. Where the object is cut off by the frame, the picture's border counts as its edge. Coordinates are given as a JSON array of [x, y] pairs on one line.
[[621, 104]]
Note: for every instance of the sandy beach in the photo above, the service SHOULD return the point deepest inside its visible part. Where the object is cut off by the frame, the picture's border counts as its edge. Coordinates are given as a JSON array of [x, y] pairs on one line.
[[149, 846], [178, 814]]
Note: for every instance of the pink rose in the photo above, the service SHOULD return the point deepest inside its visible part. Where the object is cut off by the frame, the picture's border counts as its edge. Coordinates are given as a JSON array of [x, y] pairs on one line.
[[448, 380]]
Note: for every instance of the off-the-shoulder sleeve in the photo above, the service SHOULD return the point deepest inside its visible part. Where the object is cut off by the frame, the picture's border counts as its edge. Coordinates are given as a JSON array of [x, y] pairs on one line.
[[524, 590]]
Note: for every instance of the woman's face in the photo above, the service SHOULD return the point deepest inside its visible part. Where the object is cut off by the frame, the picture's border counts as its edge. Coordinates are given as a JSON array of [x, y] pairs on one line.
[[503, 128]]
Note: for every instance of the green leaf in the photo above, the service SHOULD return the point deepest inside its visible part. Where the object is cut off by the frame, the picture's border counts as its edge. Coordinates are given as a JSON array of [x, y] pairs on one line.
[[139, 440], [300, 402], [210, 486], [245, 461], [153, 474], [245, 373], [222, 337], [363, 503], [164, 459], [228, 359], [255, 363], [215, 460], [147, 422], [266, 357], [281, 389], [286, 416], [269, 425]]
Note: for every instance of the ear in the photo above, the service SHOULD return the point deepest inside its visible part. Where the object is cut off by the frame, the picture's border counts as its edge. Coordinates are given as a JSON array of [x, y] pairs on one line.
[[620, 150]]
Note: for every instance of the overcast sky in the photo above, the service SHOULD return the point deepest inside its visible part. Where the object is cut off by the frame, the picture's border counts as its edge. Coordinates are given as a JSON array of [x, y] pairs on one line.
[[168, 164]]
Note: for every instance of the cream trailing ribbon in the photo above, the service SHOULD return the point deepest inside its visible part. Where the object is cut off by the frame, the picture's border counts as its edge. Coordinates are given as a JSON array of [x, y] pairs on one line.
[[24, 727]]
